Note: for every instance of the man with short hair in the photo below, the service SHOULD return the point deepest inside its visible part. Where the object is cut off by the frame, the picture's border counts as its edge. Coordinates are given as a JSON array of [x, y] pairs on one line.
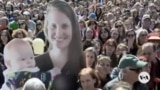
[[145, 23], [130, 67]]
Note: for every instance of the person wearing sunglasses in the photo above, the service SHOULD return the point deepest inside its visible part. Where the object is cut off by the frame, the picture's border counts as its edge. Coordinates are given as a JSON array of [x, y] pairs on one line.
[[130, 66]]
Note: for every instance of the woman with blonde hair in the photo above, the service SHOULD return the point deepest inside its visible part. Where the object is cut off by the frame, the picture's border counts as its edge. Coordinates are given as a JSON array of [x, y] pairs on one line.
[[121, 28], [19, 33]]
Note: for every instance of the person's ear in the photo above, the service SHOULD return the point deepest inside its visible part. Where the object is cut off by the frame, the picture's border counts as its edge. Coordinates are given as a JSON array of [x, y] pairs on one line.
[[7, 63]]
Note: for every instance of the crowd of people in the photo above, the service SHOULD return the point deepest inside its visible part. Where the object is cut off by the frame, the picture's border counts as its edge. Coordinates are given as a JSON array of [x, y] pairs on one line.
[[79, 44]]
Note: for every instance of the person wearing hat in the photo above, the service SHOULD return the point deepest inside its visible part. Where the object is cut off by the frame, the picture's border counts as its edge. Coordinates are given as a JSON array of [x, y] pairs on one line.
[[146, 23], [30, 23], [130, 66]]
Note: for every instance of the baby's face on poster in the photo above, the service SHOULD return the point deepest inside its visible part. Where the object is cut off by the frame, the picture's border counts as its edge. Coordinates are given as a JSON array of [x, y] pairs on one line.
[[22, 58], [59, 29]]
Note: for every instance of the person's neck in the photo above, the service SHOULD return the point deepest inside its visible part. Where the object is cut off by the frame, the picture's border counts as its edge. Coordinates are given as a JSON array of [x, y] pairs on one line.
[[91, 89], [133, 80], [59, 57], [103, 76]]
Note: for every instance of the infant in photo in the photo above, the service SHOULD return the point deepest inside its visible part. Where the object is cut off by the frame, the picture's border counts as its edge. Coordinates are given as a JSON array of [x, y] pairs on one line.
[[20, 63]]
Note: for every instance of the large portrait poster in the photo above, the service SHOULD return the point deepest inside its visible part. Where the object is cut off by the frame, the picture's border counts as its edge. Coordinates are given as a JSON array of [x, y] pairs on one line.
[[59, 65]]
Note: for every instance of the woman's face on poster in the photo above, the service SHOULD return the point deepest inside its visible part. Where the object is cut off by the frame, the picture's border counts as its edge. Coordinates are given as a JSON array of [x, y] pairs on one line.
[[59, 29]]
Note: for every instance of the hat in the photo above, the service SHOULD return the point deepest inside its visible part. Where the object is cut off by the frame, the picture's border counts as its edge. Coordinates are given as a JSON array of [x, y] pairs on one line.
[[153, 37], [92, 15], [26, 13], [145, 16], [130, 60]]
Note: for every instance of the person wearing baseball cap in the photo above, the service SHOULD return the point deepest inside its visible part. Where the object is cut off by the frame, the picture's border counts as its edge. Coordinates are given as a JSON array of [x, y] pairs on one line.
[[130, 66]]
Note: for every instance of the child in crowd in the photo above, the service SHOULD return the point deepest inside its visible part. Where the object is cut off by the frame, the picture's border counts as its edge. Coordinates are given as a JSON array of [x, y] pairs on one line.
[[20, 63]]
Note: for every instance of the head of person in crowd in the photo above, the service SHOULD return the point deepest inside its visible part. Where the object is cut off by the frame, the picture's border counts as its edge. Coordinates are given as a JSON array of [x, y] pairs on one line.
[[121, 49], [157, 30], [104, 35], [109, 47], [141, 12], [4, 22], [134, 13], [89, 34], [9, 6], [18, 55], [92, 24], [16, 14], [26, 15], [147, 68], [34, 84], [88, 79], [152, 7], [92, 16], [82, 24], [97, 45], [154, 38], [2, 14], [90, 57], [146, 22], [154, 15], [126, 13], [130, 67], [121, 28], [149, 51], [23, 25], [129, 23], [5, 37], [19, 33], [121, 85], [115, 34], [39, 27], [110, 16], [141, 37], [87, 44], [131, 41], [107, 25], [103, 68]]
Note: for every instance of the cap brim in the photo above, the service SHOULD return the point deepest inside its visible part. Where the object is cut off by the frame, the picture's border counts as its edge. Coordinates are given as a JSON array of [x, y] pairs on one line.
[[141, 64]]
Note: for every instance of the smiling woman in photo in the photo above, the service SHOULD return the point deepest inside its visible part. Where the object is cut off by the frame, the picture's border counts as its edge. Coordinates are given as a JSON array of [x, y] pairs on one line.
[[65, 51]]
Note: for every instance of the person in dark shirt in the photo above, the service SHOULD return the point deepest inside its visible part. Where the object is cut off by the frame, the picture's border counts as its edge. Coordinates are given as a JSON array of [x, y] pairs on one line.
[[65, 51]]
